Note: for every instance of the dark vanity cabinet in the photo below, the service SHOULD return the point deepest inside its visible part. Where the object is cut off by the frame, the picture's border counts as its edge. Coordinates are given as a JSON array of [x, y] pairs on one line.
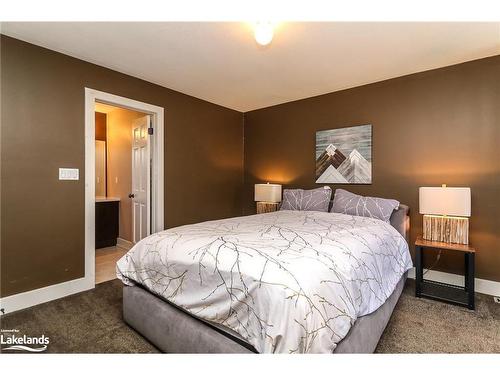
[[106, 223]]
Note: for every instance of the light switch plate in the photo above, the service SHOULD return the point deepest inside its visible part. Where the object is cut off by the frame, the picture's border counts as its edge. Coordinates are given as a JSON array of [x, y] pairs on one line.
[[68, 174]]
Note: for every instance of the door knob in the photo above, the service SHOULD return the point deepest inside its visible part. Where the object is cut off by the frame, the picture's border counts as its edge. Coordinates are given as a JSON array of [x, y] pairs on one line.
[[131, 195]]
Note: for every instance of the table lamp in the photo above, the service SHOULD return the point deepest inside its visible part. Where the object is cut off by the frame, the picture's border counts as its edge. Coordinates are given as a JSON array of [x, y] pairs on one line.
[[446, 213], [267, 197]]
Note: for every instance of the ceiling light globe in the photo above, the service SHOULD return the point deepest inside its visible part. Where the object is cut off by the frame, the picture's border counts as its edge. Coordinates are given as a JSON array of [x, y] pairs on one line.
[[264, 33]]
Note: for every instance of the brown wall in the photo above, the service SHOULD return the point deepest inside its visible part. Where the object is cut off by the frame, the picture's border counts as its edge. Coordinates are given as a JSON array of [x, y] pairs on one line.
[[42, 218], [119, 165], [440, 126]]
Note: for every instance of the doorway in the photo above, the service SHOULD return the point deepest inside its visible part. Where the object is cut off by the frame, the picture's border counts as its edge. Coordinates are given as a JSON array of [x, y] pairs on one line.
[[123, 178]]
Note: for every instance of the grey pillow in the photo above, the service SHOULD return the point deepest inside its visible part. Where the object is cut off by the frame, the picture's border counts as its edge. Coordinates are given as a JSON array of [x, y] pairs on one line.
[[292, 199], [348, 203], [306, 200]]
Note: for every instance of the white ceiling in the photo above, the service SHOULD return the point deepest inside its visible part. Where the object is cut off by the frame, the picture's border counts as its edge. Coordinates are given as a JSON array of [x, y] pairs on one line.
[[221, 63]]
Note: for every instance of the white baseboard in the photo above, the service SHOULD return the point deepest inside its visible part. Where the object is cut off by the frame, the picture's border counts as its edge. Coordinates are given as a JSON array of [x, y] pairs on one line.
[[489, 287], [124, 244], [35, 297]]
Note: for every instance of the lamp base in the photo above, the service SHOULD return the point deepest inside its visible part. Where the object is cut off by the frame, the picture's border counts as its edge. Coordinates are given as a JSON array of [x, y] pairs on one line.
[[446, 229], [264, 207]]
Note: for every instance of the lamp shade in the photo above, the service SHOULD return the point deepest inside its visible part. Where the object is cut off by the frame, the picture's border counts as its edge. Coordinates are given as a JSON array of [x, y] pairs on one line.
[[268, 193], [451, 201]]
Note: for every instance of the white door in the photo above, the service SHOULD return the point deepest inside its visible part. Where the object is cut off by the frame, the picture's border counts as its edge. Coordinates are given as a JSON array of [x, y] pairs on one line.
[[140, 178]]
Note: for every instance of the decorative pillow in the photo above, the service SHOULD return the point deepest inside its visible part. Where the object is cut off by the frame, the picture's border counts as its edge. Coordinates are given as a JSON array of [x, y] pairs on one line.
[[292, 198], [348, 203], [306, 200]]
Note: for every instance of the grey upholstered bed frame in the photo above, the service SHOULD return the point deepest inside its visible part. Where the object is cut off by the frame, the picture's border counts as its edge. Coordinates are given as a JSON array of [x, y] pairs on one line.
[[174, 330]]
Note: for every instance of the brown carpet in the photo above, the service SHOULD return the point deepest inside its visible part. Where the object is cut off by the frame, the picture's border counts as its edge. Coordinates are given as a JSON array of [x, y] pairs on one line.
[[88, 322], [91, 322], [420, 325]]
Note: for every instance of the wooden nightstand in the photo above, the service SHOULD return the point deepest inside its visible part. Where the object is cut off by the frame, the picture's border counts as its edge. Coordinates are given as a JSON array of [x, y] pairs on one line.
[[462, 296], [263, 207]]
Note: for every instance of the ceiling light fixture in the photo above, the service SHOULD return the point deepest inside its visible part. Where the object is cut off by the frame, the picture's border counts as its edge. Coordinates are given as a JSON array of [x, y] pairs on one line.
[[263, 32]]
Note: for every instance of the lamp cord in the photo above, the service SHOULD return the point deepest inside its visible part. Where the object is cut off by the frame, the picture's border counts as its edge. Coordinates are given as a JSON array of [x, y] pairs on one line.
[[435, 263]]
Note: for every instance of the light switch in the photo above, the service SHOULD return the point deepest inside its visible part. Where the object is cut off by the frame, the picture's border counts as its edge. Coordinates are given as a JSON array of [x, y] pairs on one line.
[[68, 174]]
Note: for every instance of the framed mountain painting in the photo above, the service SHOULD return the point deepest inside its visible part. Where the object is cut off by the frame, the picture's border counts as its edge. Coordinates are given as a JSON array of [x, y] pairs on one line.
[[344, 156]]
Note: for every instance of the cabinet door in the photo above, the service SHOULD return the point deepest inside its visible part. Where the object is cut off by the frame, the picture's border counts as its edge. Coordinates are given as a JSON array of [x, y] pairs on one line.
[[106, 224]]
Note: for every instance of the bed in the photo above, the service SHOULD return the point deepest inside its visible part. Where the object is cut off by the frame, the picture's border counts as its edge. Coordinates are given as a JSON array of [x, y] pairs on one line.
[[280, 282]]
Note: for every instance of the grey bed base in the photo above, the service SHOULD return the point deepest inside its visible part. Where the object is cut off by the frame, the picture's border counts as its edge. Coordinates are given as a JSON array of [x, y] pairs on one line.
[[173, 330]]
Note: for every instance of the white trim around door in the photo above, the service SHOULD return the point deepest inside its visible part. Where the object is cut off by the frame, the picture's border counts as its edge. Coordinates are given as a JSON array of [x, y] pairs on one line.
[[157, 170], [52, 292]]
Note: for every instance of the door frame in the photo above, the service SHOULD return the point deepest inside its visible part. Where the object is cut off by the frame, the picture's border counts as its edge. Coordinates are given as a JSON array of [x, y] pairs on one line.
[[157, 170]]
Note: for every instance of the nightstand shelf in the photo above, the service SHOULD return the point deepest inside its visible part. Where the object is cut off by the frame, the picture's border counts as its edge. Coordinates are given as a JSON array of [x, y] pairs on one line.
[[444, 292], [457, 295]]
